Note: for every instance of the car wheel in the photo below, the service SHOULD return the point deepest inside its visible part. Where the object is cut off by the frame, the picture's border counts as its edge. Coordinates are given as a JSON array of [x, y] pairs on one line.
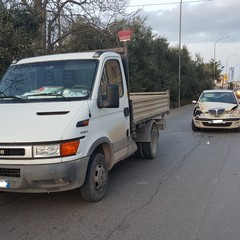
[[96, 181], [194, 128]]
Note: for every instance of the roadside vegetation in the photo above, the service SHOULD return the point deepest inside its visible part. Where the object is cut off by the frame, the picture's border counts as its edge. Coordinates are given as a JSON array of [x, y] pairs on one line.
[[38, 27]]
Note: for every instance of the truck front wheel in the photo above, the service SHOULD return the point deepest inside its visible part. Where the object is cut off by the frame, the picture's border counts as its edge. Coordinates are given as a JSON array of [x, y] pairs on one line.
[[150, 148], [96, 181]]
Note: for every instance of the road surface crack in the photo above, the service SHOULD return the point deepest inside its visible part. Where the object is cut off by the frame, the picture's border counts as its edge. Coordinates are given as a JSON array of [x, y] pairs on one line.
[[164, 178]]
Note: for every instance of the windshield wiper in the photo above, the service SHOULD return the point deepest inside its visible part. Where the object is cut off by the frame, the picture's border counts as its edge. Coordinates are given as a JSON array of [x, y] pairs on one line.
[[20, 99], [56, 95]]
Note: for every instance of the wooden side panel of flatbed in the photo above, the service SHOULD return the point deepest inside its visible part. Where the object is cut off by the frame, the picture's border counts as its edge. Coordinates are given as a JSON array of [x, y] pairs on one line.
[[149, 105]]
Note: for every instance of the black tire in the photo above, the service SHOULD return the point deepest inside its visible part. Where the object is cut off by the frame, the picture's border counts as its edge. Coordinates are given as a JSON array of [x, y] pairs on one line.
[[96, 181], [194, 128], [139, 153], [150, 149]]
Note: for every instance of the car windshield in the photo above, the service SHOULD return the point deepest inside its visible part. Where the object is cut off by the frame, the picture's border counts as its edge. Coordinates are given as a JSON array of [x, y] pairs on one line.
[[222, 97], [49, 81]]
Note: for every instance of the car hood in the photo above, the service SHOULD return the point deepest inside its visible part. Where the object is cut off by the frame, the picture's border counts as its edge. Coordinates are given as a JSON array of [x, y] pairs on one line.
[[36, 122], [205, 106]]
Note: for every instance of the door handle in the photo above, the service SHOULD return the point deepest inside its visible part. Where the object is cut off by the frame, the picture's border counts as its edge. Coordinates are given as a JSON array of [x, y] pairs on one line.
[[126, 112]]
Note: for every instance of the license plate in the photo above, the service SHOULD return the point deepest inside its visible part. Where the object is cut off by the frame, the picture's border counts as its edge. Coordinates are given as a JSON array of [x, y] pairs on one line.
[[217, 121], [4, 184]]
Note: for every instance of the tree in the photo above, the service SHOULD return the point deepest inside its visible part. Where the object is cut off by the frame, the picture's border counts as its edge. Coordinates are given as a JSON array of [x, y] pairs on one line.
[[154, 66], [218, 68], [57, 16], [18, 31], [85, 36]]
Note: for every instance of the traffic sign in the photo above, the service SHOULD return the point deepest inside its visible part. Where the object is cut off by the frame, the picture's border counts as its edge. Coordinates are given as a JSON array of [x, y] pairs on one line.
[[125, 35]]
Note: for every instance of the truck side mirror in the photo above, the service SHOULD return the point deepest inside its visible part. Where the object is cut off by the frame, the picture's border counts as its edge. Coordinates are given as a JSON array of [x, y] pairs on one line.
[[112, 97]]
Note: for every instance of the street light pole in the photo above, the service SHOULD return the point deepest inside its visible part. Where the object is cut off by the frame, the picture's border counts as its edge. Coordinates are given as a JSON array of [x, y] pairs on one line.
[[179, 60], [214, 56]]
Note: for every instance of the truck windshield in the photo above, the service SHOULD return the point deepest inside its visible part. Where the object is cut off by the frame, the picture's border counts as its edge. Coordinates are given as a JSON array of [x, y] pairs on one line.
[[48, 81]]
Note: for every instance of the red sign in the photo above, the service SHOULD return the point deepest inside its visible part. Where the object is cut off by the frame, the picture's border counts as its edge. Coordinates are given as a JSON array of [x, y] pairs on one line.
[[125, 35]]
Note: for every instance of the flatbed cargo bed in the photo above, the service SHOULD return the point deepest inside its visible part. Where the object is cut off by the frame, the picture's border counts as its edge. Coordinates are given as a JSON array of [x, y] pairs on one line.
[[152, 105]]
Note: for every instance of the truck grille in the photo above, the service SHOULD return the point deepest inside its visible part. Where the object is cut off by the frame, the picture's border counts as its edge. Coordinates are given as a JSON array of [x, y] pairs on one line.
[[12, 152], [9, 172], [15, 152]]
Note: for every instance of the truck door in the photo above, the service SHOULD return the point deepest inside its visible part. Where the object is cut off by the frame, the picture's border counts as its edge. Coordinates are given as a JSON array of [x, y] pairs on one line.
[[117, 119]]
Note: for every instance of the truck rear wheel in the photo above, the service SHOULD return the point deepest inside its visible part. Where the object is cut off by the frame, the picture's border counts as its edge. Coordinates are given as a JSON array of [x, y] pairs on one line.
[[139, 153], [96, 181], [150, 148]]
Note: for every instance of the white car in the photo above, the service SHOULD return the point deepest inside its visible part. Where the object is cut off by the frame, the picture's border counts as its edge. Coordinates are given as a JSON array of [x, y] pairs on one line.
[[217, 109]]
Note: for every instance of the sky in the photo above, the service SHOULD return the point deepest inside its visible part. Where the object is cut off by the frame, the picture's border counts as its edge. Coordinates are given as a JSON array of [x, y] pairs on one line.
[[207, 27]]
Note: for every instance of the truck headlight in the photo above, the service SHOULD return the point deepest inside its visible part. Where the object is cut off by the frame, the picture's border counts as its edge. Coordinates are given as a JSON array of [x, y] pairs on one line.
[[56, 150], [46, 150]]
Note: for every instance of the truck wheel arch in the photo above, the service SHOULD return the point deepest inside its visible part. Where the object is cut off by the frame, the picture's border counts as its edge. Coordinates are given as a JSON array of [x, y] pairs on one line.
[[144, 132], [104, 146]]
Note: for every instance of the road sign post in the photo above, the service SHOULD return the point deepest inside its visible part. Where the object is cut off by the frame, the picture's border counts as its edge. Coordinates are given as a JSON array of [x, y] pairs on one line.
[[125, 36]]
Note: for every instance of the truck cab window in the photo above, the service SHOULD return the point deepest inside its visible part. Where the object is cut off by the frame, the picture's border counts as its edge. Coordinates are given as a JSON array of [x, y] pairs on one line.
[[111, 75]]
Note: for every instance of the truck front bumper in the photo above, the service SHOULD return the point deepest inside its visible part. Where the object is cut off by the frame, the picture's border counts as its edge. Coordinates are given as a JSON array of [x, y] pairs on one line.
[[43, 178]]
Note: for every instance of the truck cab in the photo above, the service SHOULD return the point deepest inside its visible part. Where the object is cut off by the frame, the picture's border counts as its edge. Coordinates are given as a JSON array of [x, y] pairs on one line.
[[57, 112]]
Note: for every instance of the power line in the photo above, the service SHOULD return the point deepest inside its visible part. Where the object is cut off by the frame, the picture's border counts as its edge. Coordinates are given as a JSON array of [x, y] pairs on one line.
[[158, 4]]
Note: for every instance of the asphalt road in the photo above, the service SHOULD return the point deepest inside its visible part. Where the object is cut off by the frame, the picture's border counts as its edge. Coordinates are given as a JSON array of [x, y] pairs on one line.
[[191, 191]]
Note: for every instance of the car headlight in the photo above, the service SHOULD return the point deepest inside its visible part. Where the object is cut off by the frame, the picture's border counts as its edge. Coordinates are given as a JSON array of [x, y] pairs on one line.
[[234, 113], [56, 150], [197, 112]]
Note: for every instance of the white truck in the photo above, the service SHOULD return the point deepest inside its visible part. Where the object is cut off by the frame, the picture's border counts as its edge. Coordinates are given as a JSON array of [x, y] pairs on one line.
[[67, 119]]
